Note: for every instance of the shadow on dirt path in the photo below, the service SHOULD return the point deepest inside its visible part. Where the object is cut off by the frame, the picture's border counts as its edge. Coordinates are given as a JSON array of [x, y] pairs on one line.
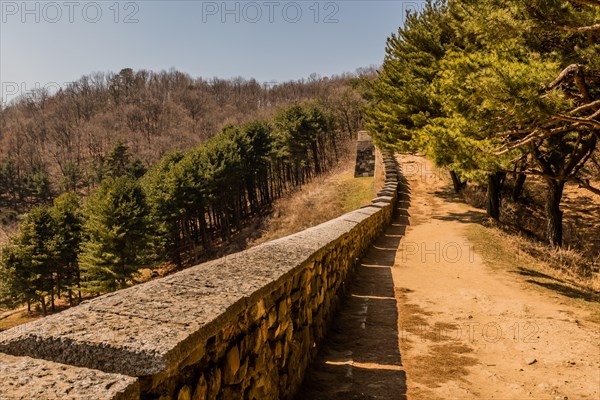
[[360, 357]]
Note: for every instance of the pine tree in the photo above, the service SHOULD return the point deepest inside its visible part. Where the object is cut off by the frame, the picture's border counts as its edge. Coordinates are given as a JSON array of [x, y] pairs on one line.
[[256, 163], [35, 259], [119, 163], [165, 196], [482, 86], [16, 276], [68, 227], [115, 235]]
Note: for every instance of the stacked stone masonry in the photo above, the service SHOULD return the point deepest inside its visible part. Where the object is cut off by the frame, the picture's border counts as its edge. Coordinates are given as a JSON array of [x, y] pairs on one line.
[[365, 155], [243, 326]]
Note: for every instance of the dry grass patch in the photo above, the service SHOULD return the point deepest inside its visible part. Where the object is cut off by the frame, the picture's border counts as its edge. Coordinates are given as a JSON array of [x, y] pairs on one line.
[[321, 200]]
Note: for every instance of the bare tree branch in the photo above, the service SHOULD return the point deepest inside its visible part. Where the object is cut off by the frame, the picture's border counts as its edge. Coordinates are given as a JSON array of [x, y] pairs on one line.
[[583, 183]]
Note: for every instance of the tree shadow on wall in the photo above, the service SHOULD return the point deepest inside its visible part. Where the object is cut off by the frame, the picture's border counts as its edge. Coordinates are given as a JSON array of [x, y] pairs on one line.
[[360, 356]]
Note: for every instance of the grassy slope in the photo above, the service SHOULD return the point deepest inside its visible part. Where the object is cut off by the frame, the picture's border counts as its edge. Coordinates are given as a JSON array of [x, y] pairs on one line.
[[319, 201]]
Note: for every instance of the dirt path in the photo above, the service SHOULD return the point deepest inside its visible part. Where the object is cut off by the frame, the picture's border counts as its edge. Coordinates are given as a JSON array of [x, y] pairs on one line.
[[465, 330], [468, 330]]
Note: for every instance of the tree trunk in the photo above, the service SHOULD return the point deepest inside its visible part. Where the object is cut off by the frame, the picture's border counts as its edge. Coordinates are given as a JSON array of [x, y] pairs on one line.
[[79, 284], [554, 214], [43, 303], [52, 291], [458, 185], [493, 195], [205, 240], [519, 185], [315, 155]]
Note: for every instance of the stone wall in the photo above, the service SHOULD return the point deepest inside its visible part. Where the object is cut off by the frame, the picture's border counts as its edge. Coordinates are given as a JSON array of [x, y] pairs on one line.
[[243, 326], [365, 155]]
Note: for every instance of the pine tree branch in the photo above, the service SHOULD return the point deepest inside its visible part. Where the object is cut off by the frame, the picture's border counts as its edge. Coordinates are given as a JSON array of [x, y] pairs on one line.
[[575, 72], [585, 107], [582, 150], [579, 29], [591, 147], [537, 134], [541, 174], [515, 132], [585, 121], [565, 74], [587, 2], [594, 115], [585, 183]]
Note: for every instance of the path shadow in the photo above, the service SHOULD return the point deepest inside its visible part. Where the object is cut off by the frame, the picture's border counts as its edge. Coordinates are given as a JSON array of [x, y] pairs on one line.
[[360, 356], [449, 195], [557, 285], [467, 217], [534, 274], [568, 291]]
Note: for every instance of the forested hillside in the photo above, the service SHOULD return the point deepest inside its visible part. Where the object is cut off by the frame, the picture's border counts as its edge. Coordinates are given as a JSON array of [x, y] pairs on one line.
[[111, 188], [50, 143], [499, 92]]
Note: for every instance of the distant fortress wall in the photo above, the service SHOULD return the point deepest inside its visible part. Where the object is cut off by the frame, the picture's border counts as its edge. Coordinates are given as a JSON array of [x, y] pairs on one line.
[[243, 326], [365, 155]]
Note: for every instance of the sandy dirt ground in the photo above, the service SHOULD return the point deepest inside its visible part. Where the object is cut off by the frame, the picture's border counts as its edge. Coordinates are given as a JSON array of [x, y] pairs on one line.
[[428, 318]]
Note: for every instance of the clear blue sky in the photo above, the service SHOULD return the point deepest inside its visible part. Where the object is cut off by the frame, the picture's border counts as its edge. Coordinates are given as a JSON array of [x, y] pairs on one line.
[[49, 43]]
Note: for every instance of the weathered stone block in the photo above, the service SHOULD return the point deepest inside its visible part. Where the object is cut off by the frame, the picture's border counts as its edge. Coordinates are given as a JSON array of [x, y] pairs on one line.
[[185, 393], [27, 378], [214, 383], [232, 366], [201, 391]]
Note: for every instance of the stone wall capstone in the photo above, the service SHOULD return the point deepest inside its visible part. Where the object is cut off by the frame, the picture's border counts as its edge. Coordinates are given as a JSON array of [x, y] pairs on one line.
[[241, 327]]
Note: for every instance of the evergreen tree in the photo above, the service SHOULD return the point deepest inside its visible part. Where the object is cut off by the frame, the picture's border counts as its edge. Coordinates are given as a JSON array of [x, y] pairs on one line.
[[35, 259], [40, 261], [73, 177], [115, 244], [482, 86], [119, 163], [256, 160], [38, 185], [166, 202], [68, 227], [16, 276], [302, 132]]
